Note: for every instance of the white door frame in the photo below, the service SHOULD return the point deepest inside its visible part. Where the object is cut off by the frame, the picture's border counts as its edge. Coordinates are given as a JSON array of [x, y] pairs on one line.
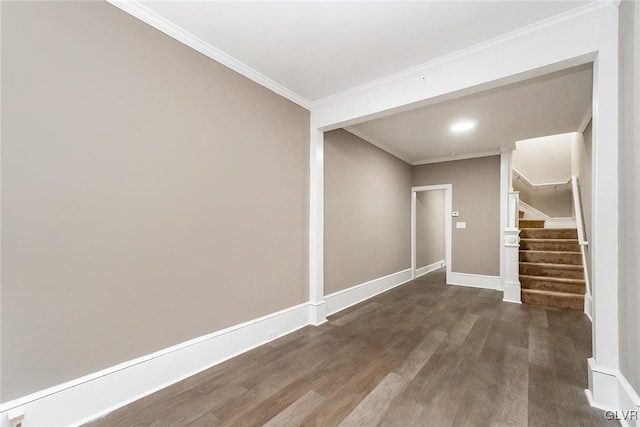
[[448, 206]]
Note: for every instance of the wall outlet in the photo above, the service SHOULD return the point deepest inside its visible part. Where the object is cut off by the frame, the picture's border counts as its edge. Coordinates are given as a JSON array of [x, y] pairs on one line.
[[461, 225], [455, 213]]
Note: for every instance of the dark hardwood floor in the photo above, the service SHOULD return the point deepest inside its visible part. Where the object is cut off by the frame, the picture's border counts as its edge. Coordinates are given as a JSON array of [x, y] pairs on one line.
[[422, 354]]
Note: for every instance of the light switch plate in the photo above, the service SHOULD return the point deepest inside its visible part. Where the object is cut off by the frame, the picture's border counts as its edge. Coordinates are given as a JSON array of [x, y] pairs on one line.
[[461, 225], [455, 213]]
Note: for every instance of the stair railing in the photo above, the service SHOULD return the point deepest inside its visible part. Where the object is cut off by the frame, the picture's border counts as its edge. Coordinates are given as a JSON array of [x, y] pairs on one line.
[[519, 176], [582, 235], [512, 251]]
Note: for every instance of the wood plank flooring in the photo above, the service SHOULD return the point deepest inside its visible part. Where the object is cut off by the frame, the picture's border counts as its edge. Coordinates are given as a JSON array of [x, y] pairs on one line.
[[422, 354]]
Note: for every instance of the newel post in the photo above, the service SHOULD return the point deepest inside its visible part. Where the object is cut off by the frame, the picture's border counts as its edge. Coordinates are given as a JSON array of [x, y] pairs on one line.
[[512, 252], [512, 273]]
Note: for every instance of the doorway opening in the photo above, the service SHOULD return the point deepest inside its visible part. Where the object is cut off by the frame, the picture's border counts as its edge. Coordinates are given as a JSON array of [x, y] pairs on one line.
[[431, 208]]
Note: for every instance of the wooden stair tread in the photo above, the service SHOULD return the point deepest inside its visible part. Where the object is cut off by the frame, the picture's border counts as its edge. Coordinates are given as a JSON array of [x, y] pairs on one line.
[[558, 266], [550, 240], [531, 223], [556, 229], [549, 252], [553, 293], [552, 266], [553, 279], [547, 298], [553, 284]]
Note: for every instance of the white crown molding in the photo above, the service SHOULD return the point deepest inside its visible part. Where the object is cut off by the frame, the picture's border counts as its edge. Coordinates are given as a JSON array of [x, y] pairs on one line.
[[572, 16], [134, 8], [380, 145], [451, 158]]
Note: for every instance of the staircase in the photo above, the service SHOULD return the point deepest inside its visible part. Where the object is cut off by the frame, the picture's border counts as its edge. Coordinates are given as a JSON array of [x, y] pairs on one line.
[[551, 272]]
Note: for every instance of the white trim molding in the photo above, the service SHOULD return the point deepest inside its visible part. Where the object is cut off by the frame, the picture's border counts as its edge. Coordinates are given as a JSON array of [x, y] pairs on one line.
[[143, 13], [474, 280], [560, 42], [452, 158], [511, 280], [317, 311], [340, 300], [613, 393], [506, 186], [531, 32], [84, 399], [448, 207], [429, 268]]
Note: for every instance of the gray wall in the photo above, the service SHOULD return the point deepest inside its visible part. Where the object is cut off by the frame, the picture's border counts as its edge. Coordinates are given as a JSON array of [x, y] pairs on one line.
[[555, 202], [149, 194], [367, 231], [476, 195], [629, 179], [430, 244]]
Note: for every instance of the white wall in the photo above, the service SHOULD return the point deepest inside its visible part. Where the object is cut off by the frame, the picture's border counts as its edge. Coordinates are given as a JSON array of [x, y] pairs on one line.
[[544, 160]]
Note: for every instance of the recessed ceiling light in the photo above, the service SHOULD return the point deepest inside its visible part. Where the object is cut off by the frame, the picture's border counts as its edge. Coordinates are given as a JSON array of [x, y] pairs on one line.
[[463, 126]]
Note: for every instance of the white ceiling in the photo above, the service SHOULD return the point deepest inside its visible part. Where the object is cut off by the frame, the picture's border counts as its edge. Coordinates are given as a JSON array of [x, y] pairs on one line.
[[309, 50], [552, 104], [317, 49]]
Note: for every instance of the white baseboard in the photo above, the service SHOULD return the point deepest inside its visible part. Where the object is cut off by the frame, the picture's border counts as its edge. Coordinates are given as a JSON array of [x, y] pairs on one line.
[[340, 300], [317, 313], [429, 268], [95, 395], [512, 292], [474, 280], [610, 391]]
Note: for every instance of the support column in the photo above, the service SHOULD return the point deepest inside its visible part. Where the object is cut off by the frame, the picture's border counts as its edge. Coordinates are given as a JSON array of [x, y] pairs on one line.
[[317, 307], [604, 382], [505, 188]]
